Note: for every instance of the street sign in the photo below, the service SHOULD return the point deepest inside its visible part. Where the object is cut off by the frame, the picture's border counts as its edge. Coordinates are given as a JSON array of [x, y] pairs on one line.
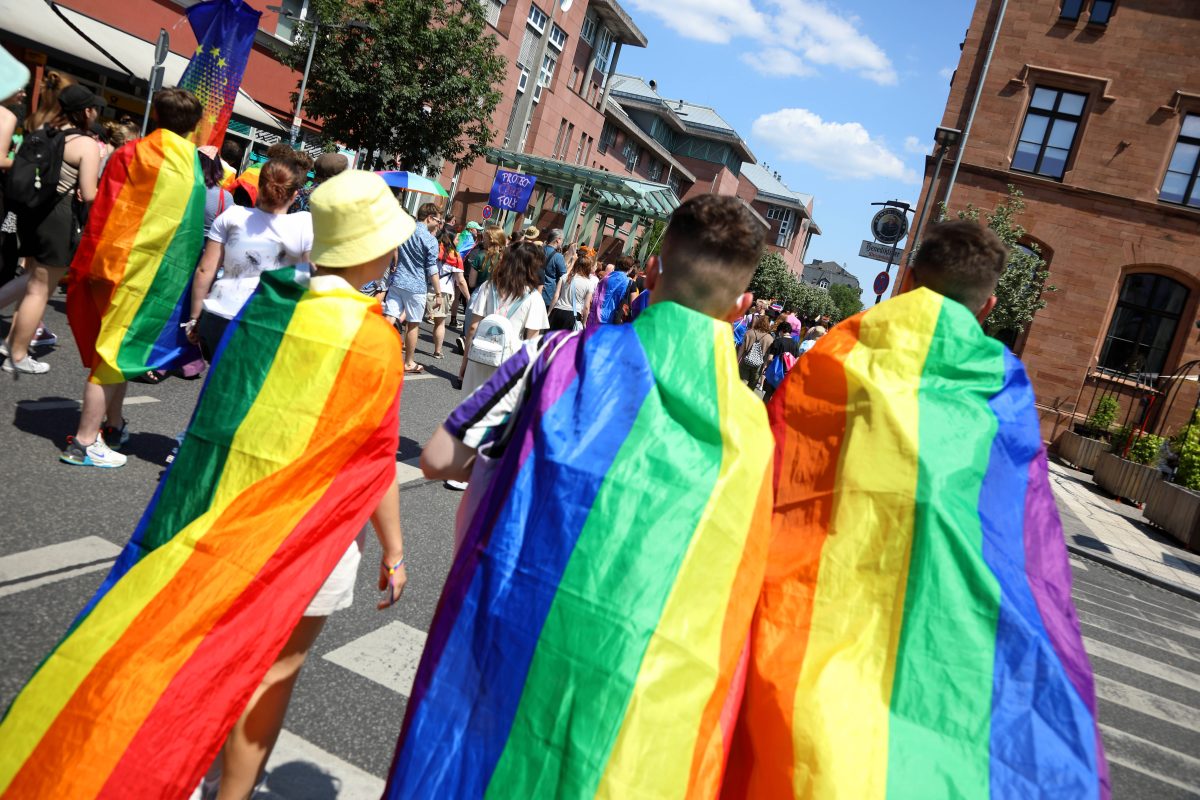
[[881, 282], [487, 212], [880, 252], [889, 225]]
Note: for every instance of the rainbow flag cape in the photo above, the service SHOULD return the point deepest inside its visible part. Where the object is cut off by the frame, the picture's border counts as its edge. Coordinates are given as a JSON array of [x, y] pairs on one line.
[[224, 31], [596, 614], [291, 446], [131, 278], [916, 636]]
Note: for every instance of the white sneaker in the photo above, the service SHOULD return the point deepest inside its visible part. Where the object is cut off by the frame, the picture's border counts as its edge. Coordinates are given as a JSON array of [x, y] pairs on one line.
[[4, 348], [457, 486], [96, 454], [28, 366]]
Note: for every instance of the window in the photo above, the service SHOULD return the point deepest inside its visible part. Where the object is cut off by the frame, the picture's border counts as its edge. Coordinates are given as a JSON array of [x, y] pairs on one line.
[[579, 152], [562, 128], [588, 31], [823, 283], [787, 219], [656, 169], [604, 40], [529, 44], [537, 19], [1049, 132], [587, 153], [1144, 324], [292, 10], [558, 38], [574, 79], [491, 11], [1101, 12], [523, 81], [1180, 184], [546, 74], [676, 184], [632, 154], [608, 137], [1071, 9]]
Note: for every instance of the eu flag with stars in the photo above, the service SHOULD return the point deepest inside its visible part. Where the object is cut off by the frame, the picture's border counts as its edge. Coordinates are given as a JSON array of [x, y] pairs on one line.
[[225, 32]]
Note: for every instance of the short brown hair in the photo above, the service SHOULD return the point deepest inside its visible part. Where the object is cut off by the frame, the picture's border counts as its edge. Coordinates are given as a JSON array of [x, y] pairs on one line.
[[279, 150], [709, 251], [328, 165], [177, 110], [278, 180], [427, 210], [961, 260]]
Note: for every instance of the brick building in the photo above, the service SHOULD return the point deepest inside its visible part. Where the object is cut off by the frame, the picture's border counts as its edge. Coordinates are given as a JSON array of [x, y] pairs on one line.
[[788, 213], [1092, 109]]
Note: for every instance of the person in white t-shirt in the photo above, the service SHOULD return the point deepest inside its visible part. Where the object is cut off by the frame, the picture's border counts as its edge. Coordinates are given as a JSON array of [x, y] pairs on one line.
[[244, 243], [515, 290]]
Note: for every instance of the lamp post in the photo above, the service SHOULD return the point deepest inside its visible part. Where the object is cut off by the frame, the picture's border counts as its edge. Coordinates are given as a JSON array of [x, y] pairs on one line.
[[312, 46], [945, 138]]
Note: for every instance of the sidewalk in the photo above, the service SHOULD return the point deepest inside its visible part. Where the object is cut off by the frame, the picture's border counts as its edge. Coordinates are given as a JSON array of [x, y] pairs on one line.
[[1098, 527]]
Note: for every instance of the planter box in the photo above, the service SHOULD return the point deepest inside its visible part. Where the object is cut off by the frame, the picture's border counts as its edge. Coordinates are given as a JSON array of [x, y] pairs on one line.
[[1124, 478], [1176, 510], [1080, 451]]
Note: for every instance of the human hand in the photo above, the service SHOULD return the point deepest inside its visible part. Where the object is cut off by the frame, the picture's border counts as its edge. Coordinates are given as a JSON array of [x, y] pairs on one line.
[[393, 576], [190, 330]]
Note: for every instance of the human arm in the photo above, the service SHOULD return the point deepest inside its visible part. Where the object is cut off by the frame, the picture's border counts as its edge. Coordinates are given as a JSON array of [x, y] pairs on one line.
[[431, 266], [89, 168], [446, 458], [558, 287], [8, 126], [202, 281], [386, 522]]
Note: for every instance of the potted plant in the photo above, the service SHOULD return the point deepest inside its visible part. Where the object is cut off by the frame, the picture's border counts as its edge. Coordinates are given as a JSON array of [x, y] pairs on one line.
[[1132, 475], [1174, 506], [1084, 445]]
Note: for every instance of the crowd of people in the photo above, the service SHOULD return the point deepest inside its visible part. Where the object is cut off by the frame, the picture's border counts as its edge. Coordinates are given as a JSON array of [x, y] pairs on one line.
[[620, 389]]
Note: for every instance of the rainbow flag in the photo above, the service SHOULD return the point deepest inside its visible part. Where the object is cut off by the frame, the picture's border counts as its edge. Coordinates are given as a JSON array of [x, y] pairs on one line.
[[597, 612], [291, 446], [916, 635], [224, 31], [131, 278]]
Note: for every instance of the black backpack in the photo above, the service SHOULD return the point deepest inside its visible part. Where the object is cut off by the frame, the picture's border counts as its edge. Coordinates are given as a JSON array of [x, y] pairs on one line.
[[33, 177]]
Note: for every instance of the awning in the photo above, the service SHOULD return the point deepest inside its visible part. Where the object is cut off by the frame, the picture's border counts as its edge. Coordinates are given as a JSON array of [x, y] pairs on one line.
[[37, 26], [136, 56], [616, 196]]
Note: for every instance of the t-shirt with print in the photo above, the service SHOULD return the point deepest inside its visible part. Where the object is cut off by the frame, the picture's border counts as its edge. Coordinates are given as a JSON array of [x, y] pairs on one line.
[[255, 242], [528, 313]]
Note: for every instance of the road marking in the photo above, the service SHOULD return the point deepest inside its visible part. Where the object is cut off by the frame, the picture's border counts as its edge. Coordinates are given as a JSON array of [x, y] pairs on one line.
[[418, 376], [140, 400], [408, 471], [1097, 592], [1078, 564], [389, 656], [298, 768], [1138, 637], [1140, 617], [1135, 661], [1135, 753], [20, 572], [1148, 703]]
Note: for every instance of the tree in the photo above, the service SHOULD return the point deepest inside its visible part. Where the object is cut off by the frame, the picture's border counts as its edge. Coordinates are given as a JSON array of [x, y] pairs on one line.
[[419, 85], [1019, 294], [847, 299], [772, 280]]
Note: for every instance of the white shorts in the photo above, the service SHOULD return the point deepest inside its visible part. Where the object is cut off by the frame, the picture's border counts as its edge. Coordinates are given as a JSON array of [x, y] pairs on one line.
[[338, 590], [399, 303]]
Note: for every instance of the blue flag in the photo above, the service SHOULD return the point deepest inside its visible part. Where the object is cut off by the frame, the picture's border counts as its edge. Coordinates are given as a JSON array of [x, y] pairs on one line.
[[225, 32]]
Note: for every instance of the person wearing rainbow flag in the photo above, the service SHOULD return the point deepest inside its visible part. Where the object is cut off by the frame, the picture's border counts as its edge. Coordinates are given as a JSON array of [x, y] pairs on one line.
[[915, 635], [611, 545]]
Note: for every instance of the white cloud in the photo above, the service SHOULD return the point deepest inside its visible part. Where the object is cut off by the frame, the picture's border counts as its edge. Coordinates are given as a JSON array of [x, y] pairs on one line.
[[778, 63], [946, 72], [840, 149], [917, 147], [794, 34]]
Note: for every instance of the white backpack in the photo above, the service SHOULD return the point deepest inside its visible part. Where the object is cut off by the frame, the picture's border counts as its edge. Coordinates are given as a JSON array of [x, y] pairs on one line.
[[496, 338]]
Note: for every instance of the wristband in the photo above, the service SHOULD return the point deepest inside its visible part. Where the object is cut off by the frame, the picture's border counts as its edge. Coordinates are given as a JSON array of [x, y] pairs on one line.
[[392, 569]]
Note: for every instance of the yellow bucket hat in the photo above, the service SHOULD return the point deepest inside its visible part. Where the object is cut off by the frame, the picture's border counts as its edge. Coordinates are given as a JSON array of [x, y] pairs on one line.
[[356, 219]]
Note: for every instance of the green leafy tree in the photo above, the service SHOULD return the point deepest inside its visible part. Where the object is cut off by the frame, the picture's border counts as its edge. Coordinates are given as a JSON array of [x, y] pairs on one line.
[[1020, 292], [772, 280], [847, 299], [418, 85]]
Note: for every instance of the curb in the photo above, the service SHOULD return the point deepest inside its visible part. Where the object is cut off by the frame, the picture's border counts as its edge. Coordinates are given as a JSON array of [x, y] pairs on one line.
[[1092, 555]]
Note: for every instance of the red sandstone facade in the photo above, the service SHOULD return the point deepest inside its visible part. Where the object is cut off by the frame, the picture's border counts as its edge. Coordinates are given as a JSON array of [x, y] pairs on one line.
[[1121, 243]]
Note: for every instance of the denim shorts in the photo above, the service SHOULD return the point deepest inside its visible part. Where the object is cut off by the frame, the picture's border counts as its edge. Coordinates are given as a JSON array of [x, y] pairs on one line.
[[402, 304]]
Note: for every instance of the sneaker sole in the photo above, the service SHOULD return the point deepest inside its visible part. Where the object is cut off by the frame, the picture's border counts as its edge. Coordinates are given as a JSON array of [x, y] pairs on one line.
[[87, 462]]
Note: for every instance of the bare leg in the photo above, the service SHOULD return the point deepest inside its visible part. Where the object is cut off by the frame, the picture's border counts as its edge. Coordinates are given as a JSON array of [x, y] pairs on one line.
[[98, 399], [412, 332], [439, 334], [253, 736], [42, 281], [114, 400], [14, 290]]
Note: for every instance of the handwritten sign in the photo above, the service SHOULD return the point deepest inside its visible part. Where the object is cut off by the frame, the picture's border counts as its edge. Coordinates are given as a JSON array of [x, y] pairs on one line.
[[511, 191]]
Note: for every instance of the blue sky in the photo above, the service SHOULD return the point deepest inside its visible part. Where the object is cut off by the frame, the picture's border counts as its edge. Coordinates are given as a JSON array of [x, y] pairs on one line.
[[841, 97]]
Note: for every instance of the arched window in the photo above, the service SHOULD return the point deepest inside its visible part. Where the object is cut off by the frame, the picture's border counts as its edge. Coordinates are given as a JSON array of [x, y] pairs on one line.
[[1144, 324]]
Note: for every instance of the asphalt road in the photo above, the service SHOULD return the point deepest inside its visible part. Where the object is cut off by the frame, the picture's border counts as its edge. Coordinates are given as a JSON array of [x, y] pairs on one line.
[[62, 526]]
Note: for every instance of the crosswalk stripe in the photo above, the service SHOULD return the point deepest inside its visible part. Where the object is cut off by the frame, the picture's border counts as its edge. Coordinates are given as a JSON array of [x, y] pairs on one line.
[[1135, 753], [408, 471], [298, 768], [1174, 611], [20, 572], [140, 400], [1139, 636], [1135, 661], [1142, 618], [60, 405], [1078, 564], [388, 655], [1145, 702]]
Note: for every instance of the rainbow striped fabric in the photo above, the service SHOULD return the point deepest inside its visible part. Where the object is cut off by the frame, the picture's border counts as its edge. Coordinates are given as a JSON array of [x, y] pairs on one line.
[[292, 444], [916, 635], [131, 278], [224, 31], [596, 615]]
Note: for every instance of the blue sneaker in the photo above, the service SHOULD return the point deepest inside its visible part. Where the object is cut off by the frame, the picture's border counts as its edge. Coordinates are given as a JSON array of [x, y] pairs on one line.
[[96, 454]]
